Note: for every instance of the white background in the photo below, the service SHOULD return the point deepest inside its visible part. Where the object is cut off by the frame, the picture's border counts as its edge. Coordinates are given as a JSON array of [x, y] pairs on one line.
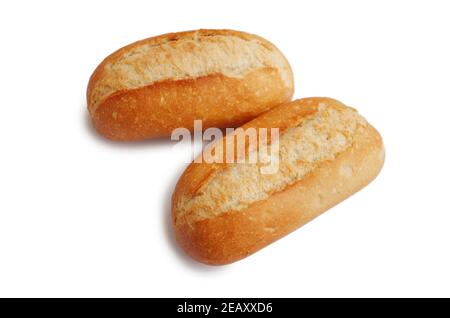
[[83, 216]]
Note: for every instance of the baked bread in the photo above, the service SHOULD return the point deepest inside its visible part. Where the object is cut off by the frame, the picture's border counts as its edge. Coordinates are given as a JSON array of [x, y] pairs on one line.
[[223, 212], [222, 77]]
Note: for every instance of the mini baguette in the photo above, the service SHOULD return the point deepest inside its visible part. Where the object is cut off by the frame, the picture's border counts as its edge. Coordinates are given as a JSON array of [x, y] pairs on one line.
[[222, 77], [223, 212]]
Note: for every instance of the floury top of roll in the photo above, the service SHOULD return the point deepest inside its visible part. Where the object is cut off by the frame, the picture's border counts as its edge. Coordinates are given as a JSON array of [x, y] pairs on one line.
[[222, 77]]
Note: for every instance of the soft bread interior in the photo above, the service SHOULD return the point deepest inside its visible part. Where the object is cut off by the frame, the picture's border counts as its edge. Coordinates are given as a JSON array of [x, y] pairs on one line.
[[193, 55], [315, 138]]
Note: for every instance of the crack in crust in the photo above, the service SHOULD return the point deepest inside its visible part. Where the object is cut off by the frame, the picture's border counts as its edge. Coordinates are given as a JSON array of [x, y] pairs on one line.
[[184, 55], [313, 139]]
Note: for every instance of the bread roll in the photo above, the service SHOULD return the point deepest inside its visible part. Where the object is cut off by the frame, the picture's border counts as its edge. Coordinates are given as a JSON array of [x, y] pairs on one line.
[[223, 212], [222, 77]]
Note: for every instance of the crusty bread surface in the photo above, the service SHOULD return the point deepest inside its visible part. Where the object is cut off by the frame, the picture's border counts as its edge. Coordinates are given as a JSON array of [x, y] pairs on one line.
[[223, 212], [223, 77]]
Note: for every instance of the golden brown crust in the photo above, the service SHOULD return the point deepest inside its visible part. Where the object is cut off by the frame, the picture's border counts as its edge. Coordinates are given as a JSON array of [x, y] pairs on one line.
[[135, 95], [234, 235], [219, 101]]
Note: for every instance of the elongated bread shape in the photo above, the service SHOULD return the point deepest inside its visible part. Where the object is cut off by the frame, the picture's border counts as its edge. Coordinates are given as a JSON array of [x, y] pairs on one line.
[[223, 212], [153, 86]]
